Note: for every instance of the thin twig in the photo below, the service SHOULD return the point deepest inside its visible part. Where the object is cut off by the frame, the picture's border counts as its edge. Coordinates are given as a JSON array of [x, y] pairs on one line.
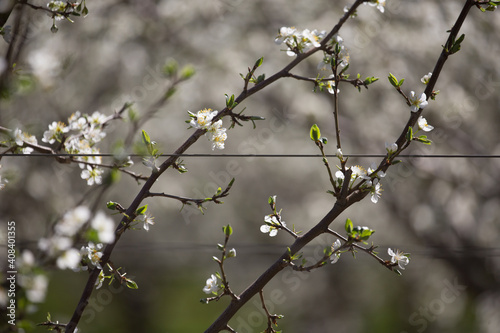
[[271, 319]]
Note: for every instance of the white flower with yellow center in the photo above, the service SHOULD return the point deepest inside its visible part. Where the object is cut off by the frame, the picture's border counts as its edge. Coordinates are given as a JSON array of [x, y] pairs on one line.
[[211, 285], [417, 102], [399, 257], [423, 125], [203, 118]]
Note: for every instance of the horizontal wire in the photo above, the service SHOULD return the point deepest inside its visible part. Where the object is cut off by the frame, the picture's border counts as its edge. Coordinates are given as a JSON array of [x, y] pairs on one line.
[[267, 248], [257, 155]]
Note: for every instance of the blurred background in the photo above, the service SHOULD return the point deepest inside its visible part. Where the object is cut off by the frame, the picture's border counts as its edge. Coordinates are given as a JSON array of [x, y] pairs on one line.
[[444, 211]]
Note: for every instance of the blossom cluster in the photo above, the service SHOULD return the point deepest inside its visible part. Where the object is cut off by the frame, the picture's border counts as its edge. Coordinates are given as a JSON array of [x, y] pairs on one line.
[[340, 55], [21, 138], [299, 41], [372, 180], [88, 131], [215, 132], [60, 245], [80, 136], [336, 58], [392, 148], [272, 224], [31, 279], [63, 7]]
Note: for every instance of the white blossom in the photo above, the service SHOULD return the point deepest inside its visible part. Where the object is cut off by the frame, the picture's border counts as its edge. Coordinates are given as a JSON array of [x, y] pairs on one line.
[[231, 253], [217, 135], [358, 172], [93, 175], [72, 221], [92, 254], [55, 132], [336, 256], [423, 125], [45, 64], [376, 192], [299, 42], [35, 286], [272, 225], [146, 220], [21, 137], [417, 102], [55, 244], [97, 118], [211, 285], [330, 86], [377, 3], [284, 34], [69, 259], [100, 280], [27, 259], [104, 226], [215, 132], [398, 257], [391, 147], [203, 118], [339, 154], [425, 79]]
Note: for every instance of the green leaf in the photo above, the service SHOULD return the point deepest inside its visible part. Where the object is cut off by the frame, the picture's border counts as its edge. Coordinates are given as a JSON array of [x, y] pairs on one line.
[[170, 68], [348, 226], [366, 233], [393, 80], [457, 44], [141, 210], [400, 83], [111, 205], [460, 39], [423, 139], [229, 101], [132, 284], [370, 80], [146, 138], [324, 140], [271, 200], [409, 134], [187, 72], [259, 62], [315, 133], [228, 230]]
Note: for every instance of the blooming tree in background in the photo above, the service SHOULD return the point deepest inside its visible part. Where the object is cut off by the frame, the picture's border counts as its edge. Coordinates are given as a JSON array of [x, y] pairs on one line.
[[84, 238]]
